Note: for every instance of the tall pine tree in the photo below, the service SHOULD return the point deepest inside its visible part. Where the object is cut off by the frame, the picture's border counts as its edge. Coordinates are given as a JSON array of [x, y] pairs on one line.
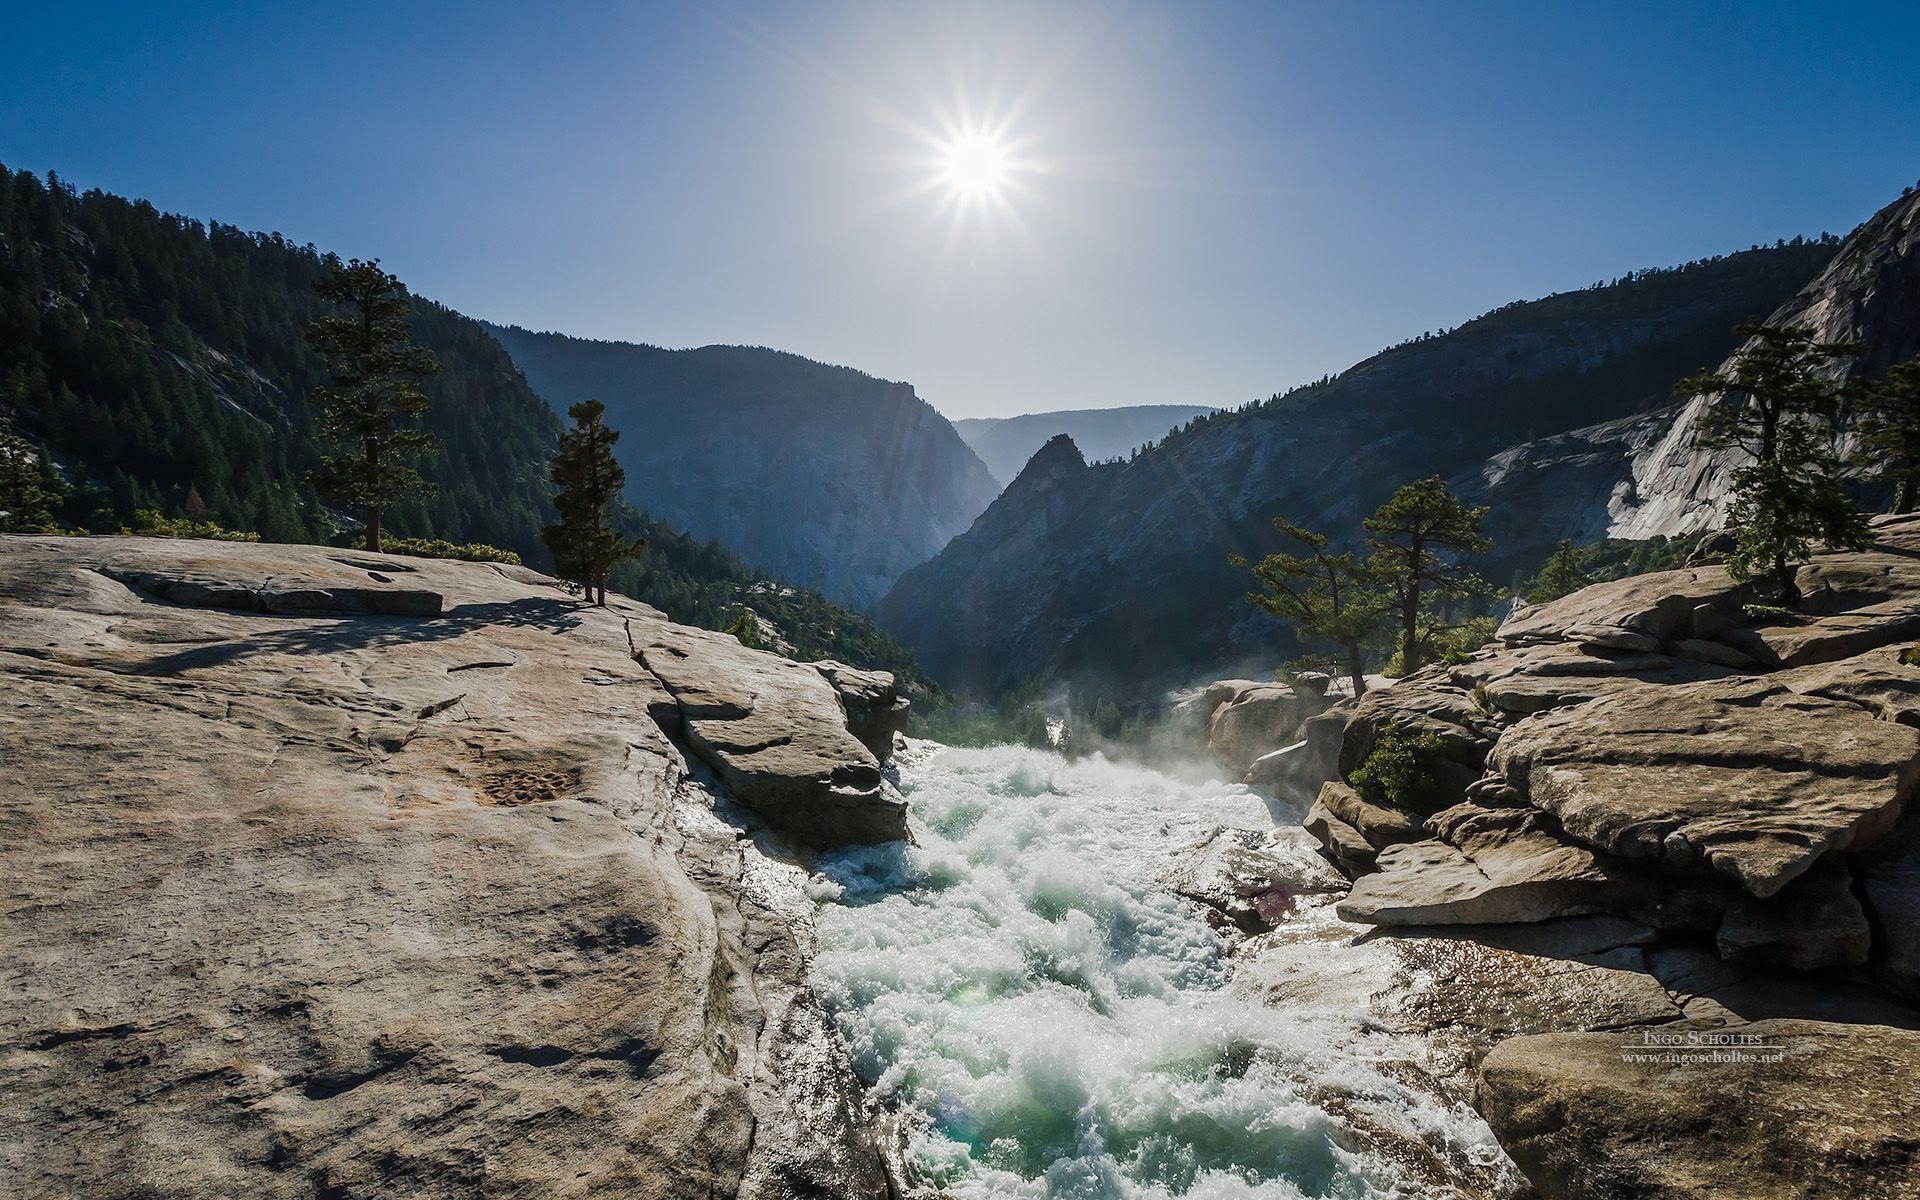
[[1418, 538], [585, 546], [375, 372], [1326, 597], [1779, 407]]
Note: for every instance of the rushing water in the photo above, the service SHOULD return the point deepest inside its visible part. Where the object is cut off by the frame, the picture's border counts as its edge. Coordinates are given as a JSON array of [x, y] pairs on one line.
[[1061, 1025]]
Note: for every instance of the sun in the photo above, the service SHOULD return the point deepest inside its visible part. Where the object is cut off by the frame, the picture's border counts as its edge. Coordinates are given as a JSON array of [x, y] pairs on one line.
[[975, 165]]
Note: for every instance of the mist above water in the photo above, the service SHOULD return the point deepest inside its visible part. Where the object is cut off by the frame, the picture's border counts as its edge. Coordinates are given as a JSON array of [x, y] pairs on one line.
[[1056, 1023]]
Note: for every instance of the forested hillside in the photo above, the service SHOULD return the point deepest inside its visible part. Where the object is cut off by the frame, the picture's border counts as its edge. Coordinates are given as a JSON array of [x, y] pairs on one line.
[[1116, 574], [821, 474], [161, 362]]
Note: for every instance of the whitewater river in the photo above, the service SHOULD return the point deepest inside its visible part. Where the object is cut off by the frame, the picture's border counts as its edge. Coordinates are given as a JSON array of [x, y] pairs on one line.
[[1055, 1023]]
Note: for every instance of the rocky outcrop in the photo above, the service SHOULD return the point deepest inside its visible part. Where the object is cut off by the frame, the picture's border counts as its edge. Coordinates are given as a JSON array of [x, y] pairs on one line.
[[820, 475], [1761, 1110], [776, 733], [1601, 759], [1240, 720], [364, 895], [876, 711]]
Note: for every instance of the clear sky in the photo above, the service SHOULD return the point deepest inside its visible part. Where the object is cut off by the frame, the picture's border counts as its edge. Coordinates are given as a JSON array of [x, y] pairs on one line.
[[1155, 203]]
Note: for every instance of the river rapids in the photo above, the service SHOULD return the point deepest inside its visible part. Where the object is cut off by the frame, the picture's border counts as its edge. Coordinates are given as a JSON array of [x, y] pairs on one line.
[[1052, 1022]]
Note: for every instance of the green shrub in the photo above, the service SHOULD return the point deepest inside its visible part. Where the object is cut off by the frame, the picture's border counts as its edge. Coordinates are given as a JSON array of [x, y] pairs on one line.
[[1398, 771], [441, 548], [1910, 657], [149, 523], [1766, 612]]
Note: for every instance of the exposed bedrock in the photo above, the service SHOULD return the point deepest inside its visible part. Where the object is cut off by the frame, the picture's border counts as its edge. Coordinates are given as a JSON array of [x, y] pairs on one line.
[[338, 874]]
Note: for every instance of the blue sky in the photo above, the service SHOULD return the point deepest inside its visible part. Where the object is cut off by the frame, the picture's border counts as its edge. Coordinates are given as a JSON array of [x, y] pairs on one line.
[[1205, 203]]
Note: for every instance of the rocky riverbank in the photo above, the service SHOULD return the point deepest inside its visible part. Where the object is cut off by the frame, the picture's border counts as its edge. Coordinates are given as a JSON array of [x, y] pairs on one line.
[[331, 873], [1660, 826]]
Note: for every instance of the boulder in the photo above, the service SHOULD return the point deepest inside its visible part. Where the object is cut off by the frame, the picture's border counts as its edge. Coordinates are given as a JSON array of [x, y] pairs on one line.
[[1293, 774], [1769, 1110], [1743, 776], [1814, 923], [1250, 879], [1878, 681], [1193, 709], [775, 732], [1660, 605], [1434, 882], [1258, 720], [875, 710], [1381, 825], [1344, 844], [1500, 864]]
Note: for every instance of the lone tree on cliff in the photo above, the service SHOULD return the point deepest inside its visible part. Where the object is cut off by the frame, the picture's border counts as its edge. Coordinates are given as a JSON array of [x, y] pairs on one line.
[[29, 492], [1418, 537], [1325, 597], [585, 546], [1781, 416], [1890, 431], [375, 373], [1564, 573]]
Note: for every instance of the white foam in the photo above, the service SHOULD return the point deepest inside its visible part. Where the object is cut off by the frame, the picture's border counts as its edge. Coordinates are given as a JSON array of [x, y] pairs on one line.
[[1068, 1028]]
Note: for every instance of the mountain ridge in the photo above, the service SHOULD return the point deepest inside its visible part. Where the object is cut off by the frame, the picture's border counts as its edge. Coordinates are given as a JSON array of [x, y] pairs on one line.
[[1006, 443], [1127, 585], [813, 471]]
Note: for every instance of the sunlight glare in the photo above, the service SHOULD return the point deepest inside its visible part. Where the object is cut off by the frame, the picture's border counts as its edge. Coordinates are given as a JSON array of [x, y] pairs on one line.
[[974, 164]]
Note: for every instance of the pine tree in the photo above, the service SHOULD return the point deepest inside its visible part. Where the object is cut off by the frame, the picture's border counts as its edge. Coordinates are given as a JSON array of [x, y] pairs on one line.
[[1417, 538], [1328, 597], [585, 546], [1890, 431], [744, 629], [29, 492], [1780, 414], [1564, 573], [374, 385]]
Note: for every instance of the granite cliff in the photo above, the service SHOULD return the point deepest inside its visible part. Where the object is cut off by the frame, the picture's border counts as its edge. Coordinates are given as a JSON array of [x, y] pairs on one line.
[[1644, 476]]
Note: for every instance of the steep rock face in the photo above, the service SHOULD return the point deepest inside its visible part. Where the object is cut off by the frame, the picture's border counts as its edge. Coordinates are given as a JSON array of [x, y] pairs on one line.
[[980, 632], [822, 475], [352, 897], [1644, 477], [1006, 443], [1120, 571]]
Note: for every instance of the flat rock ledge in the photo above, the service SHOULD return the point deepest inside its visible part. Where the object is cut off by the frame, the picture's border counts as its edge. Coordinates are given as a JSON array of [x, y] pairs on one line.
[[340, 874]]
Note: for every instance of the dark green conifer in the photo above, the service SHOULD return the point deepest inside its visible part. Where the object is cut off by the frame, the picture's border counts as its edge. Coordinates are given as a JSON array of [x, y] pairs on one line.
[[1778, 403], [1890, 431], [584, 544], [1418, 538], [29, 491], [1563, 574], [375, 373]]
